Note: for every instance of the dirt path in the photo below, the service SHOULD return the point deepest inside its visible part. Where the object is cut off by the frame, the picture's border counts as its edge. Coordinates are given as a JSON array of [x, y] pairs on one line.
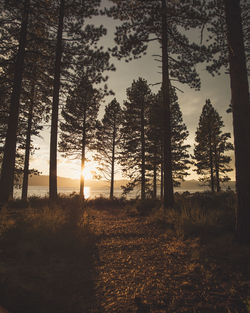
[[141, 270]]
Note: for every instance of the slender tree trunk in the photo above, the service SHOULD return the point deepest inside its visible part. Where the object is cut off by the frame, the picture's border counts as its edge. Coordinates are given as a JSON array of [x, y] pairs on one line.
[[155, 180], [55, 106], [162, 172], [211, 162], [143, 195], [113, 162], [83, 155], [27, 143], [217, 171], [168, 201], [8, 165], [162, 182], [241, 116]]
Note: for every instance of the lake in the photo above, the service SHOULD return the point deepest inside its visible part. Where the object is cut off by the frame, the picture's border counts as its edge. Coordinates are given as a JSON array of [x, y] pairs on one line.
[[90, 192]]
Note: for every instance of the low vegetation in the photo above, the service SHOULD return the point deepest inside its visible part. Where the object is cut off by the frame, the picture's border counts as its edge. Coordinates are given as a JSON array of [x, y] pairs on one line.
[[53, 260], [46, 258]]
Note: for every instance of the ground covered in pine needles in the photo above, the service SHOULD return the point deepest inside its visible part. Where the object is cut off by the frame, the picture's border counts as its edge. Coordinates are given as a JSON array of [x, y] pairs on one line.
[[142, 268], [113, 259]]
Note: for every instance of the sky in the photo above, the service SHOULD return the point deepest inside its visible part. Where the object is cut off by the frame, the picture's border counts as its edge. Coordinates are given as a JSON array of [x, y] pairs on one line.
[[217, 89]]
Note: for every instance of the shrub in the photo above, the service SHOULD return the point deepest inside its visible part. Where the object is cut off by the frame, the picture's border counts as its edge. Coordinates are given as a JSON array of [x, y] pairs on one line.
[[200, 214]]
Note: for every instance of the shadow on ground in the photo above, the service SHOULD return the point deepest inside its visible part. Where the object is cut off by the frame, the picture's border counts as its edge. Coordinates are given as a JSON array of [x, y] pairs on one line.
[[47, 264]]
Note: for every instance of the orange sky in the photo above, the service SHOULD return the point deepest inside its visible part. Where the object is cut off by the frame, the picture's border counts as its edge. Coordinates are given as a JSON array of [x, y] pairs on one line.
[[191, 102]]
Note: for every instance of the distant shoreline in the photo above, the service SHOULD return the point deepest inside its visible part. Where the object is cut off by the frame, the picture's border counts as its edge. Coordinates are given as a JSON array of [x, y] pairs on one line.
[[43, 180]]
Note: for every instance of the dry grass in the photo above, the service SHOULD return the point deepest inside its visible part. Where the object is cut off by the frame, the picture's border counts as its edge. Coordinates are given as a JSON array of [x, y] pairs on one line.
[[46, 259], [202, 215], [186, 258]]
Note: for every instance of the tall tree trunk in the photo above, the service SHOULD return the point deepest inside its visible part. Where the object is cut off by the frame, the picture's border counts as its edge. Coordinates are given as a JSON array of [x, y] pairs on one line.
[[162, 182], [83, 155], [113, 162], [27, 143], [155, 180], [55, 106], [211, 162], [217, 171], [241, 116], [143, 194], [162, 172], [8, 165], [168, 201]]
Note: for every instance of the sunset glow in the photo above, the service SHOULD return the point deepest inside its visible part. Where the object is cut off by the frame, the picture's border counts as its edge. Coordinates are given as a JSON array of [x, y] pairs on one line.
[[87, 173], [86, 192]]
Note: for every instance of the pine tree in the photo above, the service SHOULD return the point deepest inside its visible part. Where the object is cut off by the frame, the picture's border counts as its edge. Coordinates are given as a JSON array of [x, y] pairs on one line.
[[228, 26], [133, 136], [78, 127], [34, 48], [180, 155], [107, 140], [36, 90], [8, 163], [211, 144], [217, 28], [76, 55], [163, 21], [241, 115], [154, 135]]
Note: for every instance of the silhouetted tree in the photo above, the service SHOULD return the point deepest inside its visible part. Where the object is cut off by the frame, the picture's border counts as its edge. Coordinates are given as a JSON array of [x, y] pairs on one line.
[[154, 134], [8, 164], [76, 54], [34, 49], [55, 104], [229, 24], [37, 87], [180, 155], [217, 28], [211, 144], [78, 127], [241, 115], [106, 142], [161, 20], [35, 109], [133, 135]]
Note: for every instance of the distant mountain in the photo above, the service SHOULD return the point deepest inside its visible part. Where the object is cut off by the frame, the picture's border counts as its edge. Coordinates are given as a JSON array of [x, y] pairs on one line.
[[196, 185], [43, 180]]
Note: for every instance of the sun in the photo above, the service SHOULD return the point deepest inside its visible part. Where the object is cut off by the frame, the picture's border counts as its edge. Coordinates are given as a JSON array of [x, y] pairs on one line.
[[87, 173]]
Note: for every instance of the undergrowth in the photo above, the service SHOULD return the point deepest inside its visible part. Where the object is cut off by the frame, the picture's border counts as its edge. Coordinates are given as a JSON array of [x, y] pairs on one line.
[[46, 258], [201, 214], [47, 254]]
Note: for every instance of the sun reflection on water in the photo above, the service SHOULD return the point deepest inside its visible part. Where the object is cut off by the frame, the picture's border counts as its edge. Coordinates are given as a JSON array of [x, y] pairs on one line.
[[86, 192]]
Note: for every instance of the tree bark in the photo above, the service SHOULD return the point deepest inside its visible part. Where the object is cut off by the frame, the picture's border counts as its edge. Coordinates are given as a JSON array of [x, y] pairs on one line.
[[83, 155], [27, 143], [113, 162], [143, 195], [241, 116], [8, 165], [168, 201], [162, 171], [155, 181], [217, 171], [162, 181], [211, 162], [55, 106]]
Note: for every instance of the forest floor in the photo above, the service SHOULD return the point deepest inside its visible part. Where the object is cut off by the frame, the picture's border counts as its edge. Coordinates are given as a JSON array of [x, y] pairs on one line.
[[50, 263], [140, 268]]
